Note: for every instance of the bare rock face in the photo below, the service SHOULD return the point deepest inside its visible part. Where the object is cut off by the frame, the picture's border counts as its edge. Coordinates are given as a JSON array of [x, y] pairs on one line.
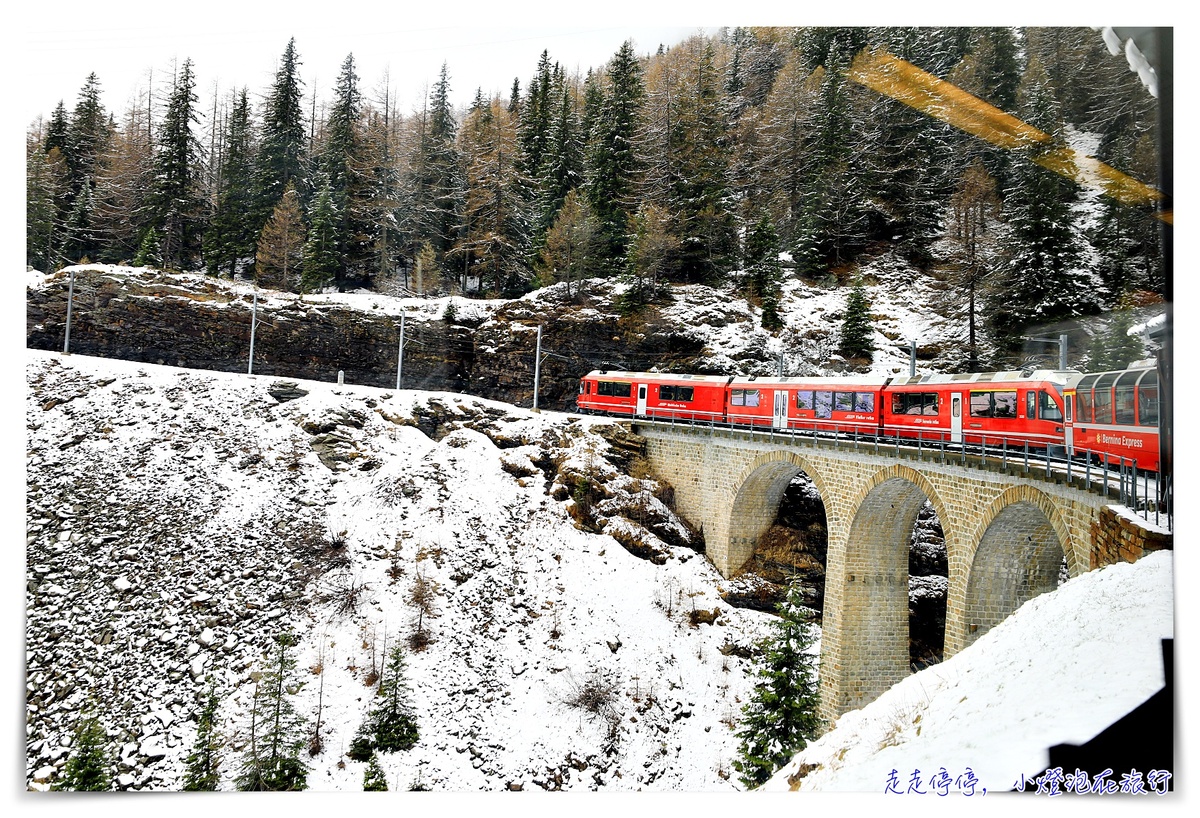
[[200, 322]]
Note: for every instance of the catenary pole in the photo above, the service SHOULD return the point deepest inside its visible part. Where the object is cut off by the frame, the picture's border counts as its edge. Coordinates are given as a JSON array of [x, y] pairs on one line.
[[537, 367], [253, 324], [400, 354], [70, 299]]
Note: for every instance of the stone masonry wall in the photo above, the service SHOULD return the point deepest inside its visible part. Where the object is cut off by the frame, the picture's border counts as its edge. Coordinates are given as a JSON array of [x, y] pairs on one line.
[[1116, 538]]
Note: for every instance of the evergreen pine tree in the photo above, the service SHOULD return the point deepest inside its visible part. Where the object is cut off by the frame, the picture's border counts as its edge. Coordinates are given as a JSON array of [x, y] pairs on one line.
[[322, 261], [857, 341], [231, 236], [344, 165], [86, 138], [277, 733], [612, 162], [698, 179], [373, 778], [204, 761], [436, 178], [45, 182], [176, 201], [391, 724], [763, 274], [781, 716], [495, 228], [563, 170], [281, 157], [148, 254], [88, 767], [1114, 347]]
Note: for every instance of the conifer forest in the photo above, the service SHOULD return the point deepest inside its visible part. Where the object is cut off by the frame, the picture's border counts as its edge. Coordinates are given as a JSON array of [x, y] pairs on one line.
[[730, 159]]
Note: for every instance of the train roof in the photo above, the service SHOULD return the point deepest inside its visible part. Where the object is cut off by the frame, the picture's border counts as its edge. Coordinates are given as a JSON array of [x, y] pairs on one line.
[[816, 380], [1057, 376], [657, 376]]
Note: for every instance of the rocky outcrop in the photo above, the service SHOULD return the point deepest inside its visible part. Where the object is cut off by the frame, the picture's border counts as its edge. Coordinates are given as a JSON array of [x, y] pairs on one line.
[[487, 349]]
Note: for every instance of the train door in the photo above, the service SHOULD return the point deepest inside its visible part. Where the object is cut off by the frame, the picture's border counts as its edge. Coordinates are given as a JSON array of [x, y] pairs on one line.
[[641, 399], [781, 409], [956, 402], [1068, 424]]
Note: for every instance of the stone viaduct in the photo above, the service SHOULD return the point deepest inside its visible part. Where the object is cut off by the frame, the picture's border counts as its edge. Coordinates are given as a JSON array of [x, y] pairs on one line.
[[1007, 533]]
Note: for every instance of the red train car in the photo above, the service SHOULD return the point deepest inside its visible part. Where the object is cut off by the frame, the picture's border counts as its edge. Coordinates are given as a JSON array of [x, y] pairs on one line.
[[654, 395], [846, 403], [1116, 413], [974, 407]]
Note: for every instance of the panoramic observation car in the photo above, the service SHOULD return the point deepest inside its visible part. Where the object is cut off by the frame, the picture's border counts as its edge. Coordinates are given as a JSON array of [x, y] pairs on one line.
[[1115, 413]]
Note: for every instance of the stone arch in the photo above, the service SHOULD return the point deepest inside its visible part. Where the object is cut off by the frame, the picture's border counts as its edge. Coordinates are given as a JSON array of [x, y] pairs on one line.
[[758, 491], [1020, 543], [865, 640]]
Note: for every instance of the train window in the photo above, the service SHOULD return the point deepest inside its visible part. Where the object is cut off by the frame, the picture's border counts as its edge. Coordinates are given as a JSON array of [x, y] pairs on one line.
[[1148, 400], [981, 404], [864, 402], [843, 401], [1006, 404], [823, 404], [914, 403], [745, 397], [1102, 405], [994, 404], [616, 389], [1084, 411], [1031, 404], [681, 393], [582, 384], [804, 399], [1049, 409], [1124, 406]]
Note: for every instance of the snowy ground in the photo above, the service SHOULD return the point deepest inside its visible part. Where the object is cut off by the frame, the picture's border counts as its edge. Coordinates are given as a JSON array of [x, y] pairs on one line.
[[179, 520]]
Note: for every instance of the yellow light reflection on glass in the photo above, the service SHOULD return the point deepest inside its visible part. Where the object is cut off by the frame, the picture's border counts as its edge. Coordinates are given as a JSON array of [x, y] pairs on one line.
[[904, 82]]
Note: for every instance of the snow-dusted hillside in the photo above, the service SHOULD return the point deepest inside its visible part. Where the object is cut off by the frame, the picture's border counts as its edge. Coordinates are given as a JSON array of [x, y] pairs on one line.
[[180, 520]]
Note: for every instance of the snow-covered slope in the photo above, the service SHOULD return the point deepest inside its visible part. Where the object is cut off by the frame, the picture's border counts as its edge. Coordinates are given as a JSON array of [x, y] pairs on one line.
[[180, 520]]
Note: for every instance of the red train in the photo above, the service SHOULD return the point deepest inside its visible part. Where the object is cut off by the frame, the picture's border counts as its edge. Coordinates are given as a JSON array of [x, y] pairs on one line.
[[1108, 414]]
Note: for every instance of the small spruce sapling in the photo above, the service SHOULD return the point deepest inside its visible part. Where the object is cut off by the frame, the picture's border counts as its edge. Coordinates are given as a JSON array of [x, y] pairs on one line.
[[373, 778], [781, 716], [204, 762], [390, 725], [88, 768], [857, 341]]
